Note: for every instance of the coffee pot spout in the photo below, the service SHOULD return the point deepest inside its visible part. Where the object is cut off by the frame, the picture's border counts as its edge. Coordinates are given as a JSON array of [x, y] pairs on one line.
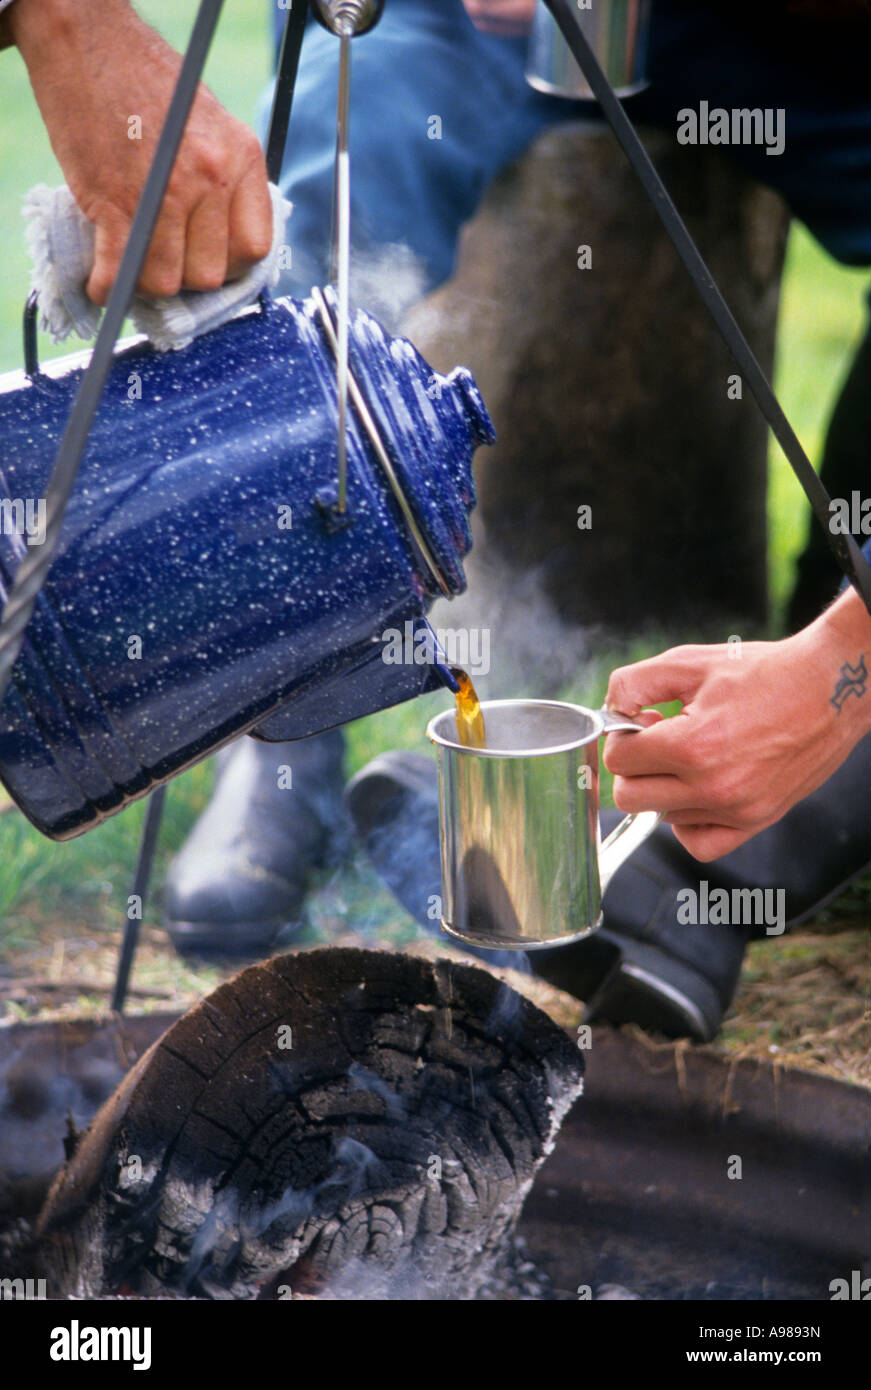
[[378, 674]]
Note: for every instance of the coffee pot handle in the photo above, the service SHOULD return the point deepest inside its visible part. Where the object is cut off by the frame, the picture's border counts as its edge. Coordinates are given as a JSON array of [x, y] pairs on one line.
[[633, 830]]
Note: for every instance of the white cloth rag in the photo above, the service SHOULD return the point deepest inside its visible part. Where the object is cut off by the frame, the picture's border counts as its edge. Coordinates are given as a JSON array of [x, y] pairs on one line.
[[61, 243]]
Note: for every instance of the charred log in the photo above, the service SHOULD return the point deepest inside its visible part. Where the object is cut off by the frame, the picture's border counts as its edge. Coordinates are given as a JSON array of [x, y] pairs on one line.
[[354, 1123]]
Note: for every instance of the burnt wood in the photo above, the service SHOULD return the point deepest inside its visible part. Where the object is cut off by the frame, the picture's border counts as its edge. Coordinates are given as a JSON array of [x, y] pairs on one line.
[[383, 1146]]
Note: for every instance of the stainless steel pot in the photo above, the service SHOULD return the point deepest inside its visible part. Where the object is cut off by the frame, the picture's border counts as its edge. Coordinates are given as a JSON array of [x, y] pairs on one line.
[[617, 32]]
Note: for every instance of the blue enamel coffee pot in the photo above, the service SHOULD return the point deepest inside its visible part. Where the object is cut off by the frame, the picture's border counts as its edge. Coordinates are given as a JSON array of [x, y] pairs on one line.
[[206, 583]]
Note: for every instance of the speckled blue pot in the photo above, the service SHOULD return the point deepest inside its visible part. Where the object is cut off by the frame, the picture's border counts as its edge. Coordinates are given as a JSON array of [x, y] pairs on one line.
[[175, 535]]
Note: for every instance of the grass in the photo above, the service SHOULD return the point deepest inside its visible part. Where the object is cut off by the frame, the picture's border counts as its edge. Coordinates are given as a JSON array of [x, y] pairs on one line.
[[61, 904], [822, 319], [237, 72], [806, 1002]]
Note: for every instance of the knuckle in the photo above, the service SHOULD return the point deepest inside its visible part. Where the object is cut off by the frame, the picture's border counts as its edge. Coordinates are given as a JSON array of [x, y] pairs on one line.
[[161, 284], [214, 167], [209, 277], [203, 171], [177, 197], [728, 793], [703, 750], [250, 148], [211, 159], [618, 688], [693, 757], [255, 243]]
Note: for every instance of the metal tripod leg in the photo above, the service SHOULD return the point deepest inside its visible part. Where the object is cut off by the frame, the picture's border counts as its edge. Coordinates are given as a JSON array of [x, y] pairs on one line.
[[139, 890], [285, 82]]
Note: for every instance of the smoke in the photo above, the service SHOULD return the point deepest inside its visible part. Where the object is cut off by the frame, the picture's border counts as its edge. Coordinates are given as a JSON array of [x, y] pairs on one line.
[[356, 899], [353, 1161], [504, 1018], [364, 1080]]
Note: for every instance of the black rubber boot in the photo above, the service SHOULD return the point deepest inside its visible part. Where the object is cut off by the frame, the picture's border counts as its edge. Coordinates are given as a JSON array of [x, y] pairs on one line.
[[242, 875], [808, 858], [845, 466], [644, 965]]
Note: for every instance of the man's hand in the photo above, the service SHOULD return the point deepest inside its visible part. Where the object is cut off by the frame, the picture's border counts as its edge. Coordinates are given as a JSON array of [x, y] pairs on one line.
[[762, 726], [501, 16], [103, 80]]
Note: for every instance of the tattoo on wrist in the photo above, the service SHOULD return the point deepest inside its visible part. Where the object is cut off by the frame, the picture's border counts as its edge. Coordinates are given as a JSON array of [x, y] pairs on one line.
[[853, 681]]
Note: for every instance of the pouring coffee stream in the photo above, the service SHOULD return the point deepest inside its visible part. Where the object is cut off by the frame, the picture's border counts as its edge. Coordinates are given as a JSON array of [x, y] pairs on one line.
[[470, 721]]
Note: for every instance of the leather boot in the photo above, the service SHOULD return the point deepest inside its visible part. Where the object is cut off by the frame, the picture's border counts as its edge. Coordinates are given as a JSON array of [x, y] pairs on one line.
[[242, 874], [643, 965]]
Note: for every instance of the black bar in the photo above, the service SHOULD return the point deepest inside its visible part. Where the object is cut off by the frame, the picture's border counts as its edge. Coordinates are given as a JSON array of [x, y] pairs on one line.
[[285, 82], [230, 1341], [28, 329], [844, 548], [31, 572], [141, 879]]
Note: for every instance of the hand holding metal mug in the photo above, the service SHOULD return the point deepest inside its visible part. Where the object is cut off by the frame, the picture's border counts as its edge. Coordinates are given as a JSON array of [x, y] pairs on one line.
[[763, 724]]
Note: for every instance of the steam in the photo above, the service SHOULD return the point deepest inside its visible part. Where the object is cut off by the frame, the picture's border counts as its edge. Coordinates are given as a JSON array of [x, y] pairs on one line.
[[387, 282], [533, 651]]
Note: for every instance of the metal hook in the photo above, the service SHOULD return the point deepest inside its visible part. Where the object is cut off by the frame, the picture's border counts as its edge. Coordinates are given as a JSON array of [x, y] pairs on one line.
[[348, 18]]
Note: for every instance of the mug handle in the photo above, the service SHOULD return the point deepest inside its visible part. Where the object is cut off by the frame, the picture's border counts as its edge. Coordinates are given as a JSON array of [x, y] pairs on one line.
[[633, 830]]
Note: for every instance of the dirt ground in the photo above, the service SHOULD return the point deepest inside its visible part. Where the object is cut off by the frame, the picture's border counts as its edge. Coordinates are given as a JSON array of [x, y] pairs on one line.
[[804, 998]]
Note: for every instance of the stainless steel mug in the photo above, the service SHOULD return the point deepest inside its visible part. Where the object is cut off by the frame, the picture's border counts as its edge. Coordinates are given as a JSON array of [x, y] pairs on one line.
[[523, 862], [617, 32]]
